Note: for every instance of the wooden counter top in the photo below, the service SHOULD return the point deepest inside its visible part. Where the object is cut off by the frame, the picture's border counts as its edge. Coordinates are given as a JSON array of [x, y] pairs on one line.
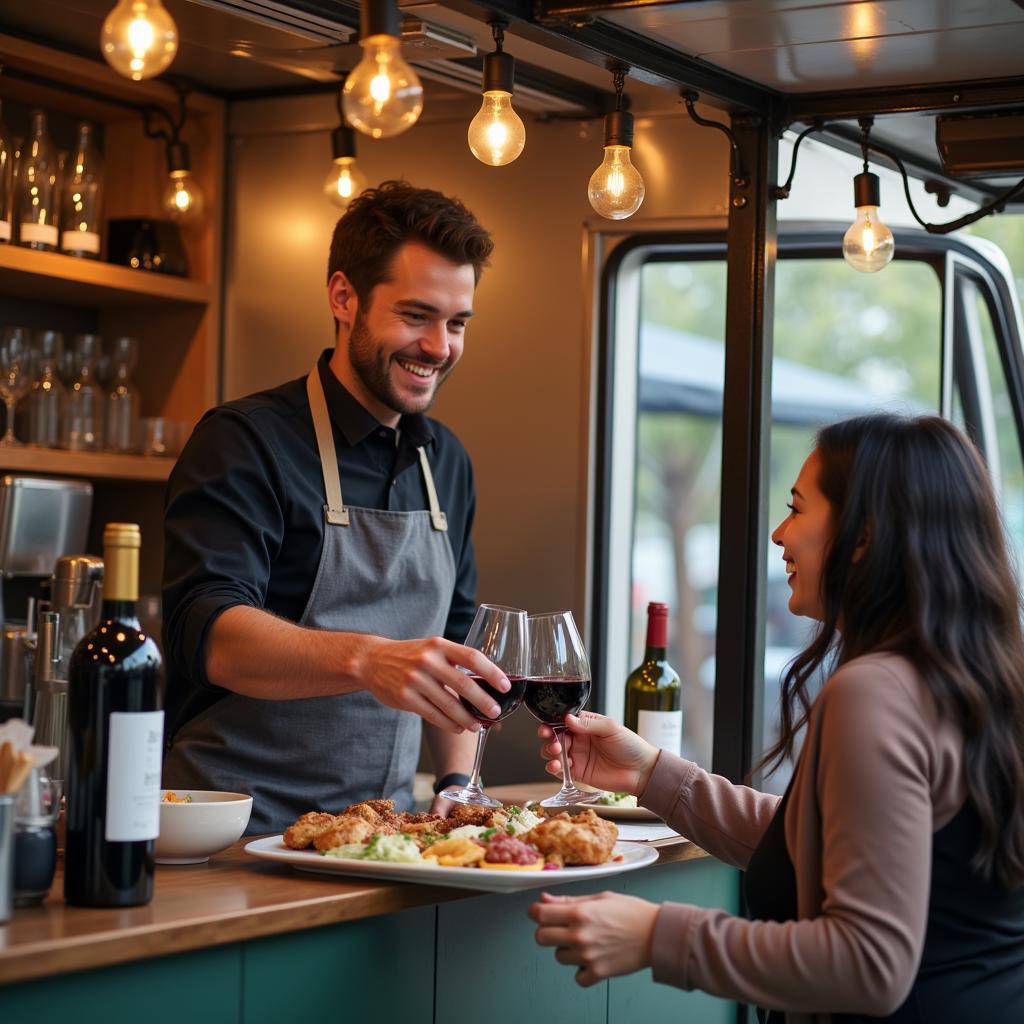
[[233, 897]]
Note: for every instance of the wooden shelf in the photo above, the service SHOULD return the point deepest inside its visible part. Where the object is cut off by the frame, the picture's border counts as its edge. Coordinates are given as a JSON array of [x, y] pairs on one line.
[[73, 281], [94, 465]]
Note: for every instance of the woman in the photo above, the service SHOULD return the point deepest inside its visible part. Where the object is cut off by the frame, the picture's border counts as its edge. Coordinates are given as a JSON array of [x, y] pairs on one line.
[[888, 882]]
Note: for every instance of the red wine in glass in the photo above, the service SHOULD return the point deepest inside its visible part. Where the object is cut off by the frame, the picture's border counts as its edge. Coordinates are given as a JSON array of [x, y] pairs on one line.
[[550, 699], [508, 702]]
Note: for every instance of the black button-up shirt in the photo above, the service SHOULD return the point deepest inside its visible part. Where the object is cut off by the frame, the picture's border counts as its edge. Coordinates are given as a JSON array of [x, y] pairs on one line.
[[244, 515]]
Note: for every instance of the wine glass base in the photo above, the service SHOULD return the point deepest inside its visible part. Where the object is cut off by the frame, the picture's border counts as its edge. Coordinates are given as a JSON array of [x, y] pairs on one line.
[[12, 443], [472, 797], [568, 799]]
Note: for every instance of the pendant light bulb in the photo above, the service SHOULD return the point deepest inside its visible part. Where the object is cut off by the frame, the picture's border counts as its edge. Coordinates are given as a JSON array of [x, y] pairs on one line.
[[616, 189], [497, 134], [868, 245], [344, 180], [382, 96], [182, 198], [139, 38]]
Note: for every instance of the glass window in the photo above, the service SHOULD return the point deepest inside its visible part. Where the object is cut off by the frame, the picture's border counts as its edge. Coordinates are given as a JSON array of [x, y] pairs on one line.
[[845, 344]]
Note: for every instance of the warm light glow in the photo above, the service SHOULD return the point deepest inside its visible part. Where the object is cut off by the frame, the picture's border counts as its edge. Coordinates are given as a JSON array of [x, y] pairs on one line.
[[497, 134], [344, 181], [382, 95], [868, 245], [139, 38], [616, 189], [183, 199]]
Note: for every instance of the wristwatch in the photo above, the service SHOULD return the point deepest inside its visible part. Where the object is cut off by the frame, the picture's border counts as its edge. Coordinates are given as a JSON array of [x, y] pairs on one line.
[[451, 779]]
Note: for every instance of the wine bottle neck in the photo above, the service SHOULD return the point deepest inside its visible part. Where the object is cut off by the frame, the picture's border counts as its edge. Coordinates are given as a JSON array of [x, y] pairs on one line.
[[120, 573], [120, 611], [652, 652]]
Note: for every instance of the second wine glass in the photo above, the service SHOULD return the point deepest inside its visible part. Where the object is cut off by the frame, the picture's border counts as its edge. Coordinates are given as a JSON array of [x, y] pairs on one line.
[[558, 684], [499, 634]]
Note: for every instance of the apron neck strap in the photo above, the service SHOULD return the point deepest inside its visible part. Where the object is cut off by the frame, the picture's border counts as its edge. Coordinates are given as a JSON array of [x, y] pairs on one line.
[[437, 518], [335, 507]]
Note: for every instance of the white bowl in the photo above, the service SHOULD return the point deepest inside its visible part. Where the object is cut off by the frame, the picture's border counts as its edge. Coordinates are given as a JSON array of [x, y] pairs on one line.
[[191, 832]]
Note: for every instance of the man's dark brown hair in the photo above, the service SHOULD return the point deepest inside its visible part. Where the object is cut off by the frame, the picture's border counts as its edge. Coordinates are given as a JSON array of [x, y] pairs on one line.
[[383, 219]]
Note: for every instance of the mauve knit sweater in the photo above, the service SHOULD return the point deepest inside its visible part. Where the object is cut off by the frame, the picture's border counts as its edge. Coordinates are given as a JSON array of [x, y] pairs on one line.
[[878, 774]]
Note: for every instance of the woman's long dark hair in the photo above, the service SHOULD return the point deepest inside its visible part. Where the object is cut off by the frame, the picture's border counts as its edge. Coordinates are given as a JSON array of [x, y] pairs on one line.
[[934, 584]]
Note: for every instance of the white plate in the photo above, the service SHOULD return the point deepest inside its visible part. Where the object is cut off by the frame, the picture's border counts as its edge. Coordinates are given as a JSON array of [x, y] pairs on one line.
[[634, 855], [621, 813]]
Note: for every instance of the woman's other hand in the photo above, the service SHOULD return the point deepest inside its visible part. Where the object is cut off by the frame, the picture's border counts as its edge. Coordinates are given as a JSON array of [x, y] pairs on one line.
[[602, 935], [603, 754]]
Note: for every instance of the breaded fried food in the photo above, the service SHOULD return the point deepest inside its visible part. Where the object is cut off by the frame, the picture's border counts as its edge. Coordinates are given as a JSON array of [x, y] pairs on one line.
[[307, 828], [466, 814], [348, 828], [370, 810], [418, 824], [578, 839]]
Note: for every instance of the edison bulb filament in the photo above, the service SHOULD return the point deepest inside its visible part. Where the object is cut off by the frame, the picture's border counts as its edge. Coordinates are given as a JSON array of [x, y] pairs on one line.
[[616, 189], [139, 38], [344, 181], [868, 245], [497, 134], [382, 95]]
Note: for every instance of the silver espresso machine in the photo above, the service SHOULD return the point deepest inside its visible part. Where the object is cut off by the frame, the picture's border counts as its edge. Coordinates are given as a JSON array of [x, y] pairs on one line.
[[41, 520]]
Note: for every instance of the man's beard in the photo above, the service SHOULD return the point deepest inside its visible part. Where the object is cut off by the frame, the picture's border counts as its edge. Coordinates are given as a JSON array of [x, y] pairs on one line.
[[372, 366]]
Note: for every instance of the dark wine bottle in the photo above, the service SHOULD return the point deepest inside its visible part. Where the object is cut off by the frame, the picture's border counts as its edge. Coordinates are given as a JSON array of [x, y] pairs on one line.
[[115, 743], [654, 707]]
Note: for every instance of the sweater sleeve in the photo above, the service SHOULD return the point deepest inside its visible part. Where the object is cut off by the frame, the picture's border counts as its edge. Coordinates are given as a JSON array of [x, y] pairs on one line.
[[861, 953], [725, 819]]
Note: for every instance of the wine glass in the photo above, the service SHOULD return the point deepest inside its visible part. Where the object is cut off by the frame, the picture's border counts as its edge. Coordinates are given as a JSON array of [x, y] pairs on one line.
[[15, 375], [557, 684], [500, 634]]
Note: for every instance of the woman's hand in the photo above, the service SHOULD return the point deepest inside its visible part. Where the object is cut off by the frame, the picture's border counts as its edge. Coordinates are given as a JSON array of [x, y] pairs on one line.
[[603, 935], [602, 753]]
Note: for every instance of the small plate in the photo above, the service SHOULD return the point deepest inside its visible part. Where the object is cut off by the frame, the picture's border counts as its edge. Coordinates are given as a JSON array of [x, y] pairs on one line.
[[621, 813], [634, 855]]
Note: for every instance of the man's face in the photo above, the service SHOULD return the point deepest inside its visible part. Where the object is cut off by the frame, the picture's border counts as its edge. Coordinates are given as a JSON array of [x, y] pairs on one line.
[[410, 336]]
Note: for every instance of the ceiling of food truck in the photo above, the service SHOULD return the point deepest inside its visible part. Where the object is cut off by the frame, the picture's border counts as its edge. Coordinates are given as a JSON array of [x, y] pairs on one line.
[[815, 46], [800, 60]]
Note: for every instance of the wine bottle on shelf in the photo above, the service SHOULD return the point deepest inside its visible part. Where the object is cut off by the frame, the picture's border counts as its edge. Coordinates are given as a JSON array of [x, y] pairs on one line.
[[653, 691], [81, 195], [35, 199], [6, 180], [115, 743]]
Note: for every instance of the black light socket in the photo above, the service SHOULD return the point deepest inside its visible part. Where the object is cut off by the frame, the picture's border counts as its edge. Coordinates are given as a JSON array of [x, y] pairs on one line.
[[867, 190], [177, 157], [379, 18], [618, 128], [343, 142], [499, 72]]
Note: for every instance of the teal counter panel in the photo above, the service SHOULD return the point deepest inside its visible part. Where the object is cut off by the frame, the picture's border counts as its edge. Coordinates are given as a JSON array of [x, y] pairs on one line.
[[485, 945], [343, 972], [189, 987], [636, 997]]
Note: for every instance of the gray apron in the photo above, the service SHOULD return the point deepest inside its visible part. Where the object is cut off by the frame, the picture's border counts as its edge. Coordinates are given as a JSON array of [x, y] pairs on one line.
[[387, 573]]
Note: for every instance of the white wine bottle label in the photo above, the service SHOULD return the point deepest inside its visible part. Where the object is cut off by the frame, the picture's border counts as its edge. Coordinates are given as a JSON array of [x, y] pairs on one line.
[[5, 230], [662, 728], [133, 776], [44, 233], [80, 241]]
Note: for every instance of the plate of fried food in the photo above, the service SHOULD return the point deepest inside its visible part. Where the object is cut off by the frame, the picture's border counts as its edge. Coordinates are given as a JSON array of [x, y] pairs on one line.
[[497, 850]]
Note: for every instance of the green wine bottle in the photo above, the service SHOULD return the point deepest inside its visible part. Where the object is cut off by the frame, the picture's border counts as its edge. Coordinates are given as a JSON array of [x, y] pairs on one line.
[[654, 707]]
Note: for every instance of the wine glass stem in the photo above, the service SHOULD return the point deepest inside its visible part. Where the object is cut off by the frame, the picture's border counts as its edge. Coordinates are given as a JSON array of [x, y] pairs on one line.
[[481, 740], [568, 786], [9, 418]]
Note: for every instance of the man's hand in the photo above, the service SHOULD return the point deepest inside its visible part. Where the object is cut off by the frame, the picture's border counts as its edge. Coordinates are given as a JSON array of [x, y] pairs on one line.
[[421, 676], [603, 935]]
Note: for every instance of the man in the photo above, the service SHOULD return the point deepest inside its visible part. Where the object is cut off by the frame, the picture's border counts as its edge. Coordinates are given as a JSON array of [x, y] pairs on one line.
[[317, 542]]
